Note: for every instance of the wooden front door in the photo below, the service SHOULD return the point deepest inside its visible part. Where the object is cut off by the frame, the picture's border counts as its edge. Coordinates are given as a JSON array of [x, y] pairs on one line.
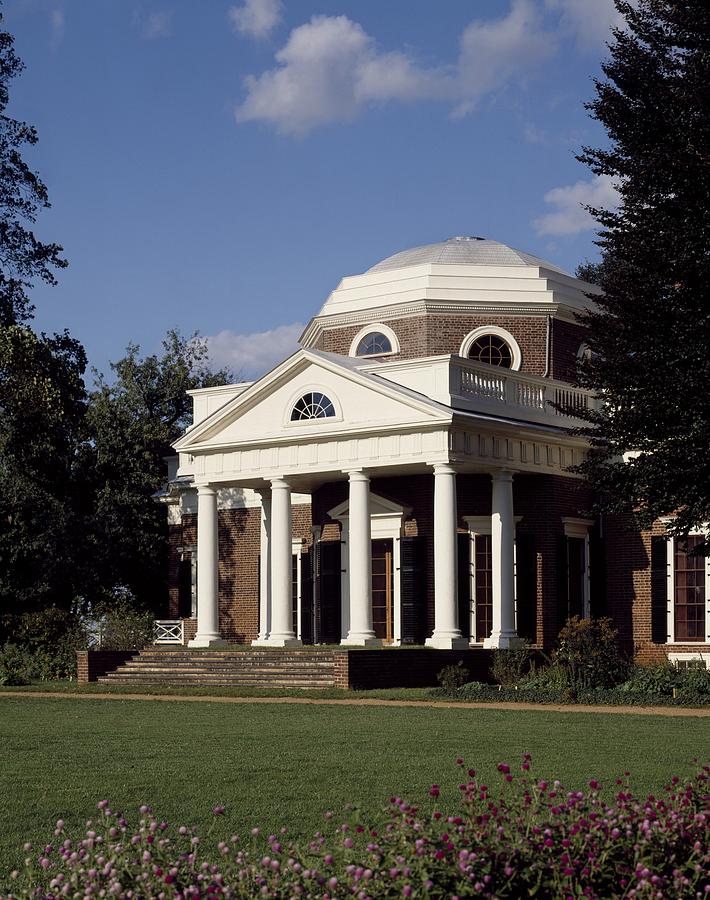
[[383, 589]]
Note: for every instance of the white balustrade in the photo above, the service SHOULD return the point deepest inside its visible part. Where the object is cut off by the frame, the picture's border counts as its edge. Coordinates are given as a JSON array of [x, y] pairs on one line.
[[524, 396], [168, 631]]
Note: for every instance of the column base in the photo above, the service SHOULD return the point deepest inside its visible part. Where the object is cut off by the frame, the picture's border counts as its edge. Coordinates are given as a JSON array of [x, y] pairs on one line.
[[502, 640], [207, 640], [361, 639], [281, 640], [446, 642], [260, 642]]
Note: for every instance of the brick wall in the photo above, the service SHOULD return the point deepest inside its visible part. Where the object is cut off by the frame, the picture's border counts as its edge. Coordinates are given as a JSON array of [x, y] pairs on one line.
[[91, 664], [438, 333], [566, 338]]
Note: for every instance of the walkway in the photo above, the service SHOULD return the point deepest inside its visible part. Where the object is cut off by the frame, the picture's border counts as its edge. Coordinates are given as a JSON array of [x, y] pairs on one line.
[[669, 711]]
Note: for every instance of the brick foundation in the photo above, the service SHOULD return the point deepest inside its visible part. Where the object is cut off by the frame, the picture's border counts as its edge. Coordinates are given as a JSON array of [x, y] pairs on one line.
[[91, 664]]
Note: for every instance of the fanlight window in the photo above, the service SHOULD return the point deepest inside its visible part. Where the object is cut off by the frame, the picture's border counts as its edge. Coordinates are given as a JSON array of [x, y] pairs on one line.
[[313, 405], [491, 349], [373, 343]]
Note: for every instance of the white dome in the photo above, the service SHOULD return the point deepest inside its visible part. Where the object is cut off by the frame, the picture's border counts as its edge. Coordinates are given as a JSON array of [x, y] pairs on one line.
[[462, 251]]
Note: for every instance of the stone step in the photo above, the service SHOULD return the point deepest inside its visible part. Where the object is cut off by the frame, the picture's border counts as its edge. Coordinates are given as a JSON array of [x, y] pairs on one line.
[[115, 678]]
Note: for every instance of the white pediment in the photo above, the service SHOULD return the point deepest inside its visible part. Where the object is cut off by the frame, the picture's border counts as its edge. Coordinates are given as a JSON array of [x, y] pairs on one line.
[[262, 413], [379, 506]]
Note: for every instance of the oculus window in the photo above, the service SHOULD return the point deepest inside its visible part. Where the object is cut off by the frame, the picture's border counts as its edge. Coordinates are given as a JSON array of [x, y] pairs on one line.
[[313, 405], [373, 343], [491, 349]]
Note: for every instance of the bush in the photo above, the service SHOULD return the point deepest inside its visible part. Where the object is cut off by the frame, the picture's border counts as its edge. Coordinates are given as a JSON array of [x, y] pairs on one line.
[[452, 677], [589, 655], [659, 680], [120, 625], [16, 665], [475, 690], [527, 837], [511, 664], [47, 641]]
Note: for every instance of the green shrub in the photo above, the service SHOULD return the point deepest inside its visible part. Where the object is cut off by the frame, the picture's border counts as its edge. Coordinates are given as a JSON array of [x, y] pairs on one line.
[[120, 625], [510, 665], [659, 680], [589, 654], [474, 690], [16, 665], [451, 678]]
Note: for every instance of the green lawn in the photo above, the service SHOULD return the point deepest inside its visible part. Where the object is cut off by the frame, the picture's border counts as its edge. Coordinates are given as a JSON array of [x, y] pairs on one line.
[[276, 765]]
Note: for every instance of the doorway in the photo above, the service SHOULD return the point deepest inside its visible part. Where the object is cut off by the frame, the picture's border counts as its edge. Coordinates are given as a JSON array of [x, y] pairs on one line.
[[383, 589]]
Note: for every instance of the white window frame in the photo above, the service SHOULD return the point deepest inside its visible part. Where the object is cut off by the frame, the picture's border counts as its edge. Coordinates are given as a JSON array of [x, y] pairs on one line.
[[297, 552], [497, 331], [482, 525], [579, 528], [670, 593], [368, 329]]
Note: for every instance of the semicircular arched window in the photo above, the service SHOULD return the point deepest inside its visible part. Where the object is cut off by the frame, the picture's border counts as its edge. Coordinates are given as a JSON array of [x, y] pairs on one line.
[[373, 343], [491, 349], [313, 405]]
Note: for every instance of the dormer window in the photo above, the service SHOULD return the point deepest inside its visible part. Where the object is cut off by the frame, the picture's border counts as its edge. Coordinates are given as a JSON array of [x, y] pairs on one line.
[[373, 343], [313, 405], [493, 346]]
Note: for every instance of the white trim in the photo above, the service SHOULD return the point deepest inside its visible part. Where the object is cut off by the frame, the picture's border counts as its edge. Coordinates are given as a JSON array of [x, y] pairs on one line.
[[368, 329], [676, 658], [579, 529], [297, 551], [496, 330], [670, 591]]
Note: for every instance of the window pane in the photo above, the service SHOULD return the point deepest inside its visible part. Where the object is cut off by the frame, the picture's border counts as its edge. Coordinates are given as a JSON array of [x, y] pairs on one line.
[[483, 576], [373, 343], [491, 349], [689, 591]]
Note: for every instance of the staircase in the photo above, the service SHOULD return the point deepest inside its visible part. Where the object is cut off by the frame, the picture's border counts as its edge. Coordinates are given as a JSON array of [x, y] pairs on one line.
[[256, 667]]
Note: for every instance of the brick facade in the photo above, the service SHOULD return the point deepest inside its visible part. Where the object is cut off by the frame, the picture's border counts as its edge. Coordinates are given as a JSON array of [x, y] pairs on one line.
[[439, 334]]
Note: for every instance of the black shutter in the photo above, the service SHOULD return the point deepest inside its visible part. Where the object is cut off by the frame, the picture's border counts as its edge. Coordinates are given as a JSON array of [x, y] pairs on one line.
[[306, 596], [328, 604], [659, 590], [562, 583], [184, 610], [412, 551], [464, 583], [526, 586], [597, 575]]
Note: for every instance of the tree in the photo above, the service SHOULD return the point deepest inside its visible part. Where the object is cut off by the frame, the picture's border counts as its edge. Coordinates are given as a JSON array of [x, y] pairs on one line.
[[43, 504], [650, 334], [133, 421], [23, 257]]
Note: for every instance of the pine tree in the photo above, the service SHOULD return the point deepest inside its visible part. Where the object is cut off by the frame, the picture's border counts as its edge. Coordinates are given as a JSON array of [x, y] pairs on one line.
[[650, 333]]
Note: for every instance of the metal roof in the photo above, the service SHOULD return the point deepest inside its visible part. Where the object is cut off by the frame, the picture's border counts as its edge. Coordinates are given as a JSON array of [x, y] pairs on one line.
[[463, 251]]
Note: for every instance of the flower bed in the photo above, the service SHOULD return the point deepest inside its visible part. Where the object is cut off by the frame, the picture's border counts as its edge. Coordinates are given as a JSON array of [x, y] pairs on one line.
[[524, 837]]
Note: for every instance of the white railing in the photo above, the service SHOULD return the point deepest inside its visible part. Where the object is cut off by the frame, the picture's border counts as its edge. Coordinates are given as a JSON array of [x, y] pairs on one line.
[[524, 396], [168, 631]]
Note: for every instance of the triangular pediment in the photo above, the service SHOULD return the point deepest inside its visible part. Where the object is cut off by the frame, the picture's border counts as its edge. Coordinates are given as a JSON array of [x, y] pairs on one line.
[[360, 401], [379, 506]]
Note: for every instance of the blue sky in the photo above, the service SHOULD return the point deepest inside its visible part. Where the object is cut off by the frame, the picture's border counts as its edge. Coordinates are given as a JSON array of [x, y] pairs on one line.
[[219, 166]]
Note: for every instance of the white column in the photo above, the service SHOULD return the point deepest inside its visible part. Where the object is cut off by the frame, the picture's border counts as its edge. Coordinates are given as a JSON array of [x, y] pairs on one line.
[[503, 561], [264, 570], [280, 551], [447, 634], [361, 632], [207, 570]]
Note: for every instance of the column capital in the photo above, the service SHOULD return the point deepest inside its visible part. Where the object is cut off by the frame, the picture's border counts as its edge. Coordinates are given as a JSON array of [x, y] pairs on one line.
[[206, 490], [502, 474], [279, 483], [443, 468], [357, 475]]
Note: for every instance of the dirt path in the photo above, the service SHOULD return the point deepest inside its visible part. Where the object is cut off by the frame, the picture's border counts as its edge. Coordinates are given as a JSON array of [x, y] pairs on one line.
[[672, 711]]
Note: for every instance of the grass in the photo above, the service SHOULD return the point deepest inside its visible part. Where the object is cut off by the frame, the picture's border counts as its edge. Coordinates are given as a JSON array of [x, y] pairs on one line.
[[277, 765]]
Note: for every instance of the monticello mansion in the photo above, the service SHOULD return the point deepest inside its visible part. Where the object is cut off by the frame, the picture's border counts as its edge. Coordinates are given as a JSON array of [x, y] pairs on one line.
[[404, 478]]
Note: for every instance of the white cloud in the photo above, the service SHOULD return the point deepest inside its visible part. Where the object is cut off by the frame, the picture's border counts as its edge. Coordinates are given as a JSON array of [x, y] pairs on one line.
[[250, 355], [330, 70], [568, 215], [56, 24], [589, 22], [257, 18], [155, 25]]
